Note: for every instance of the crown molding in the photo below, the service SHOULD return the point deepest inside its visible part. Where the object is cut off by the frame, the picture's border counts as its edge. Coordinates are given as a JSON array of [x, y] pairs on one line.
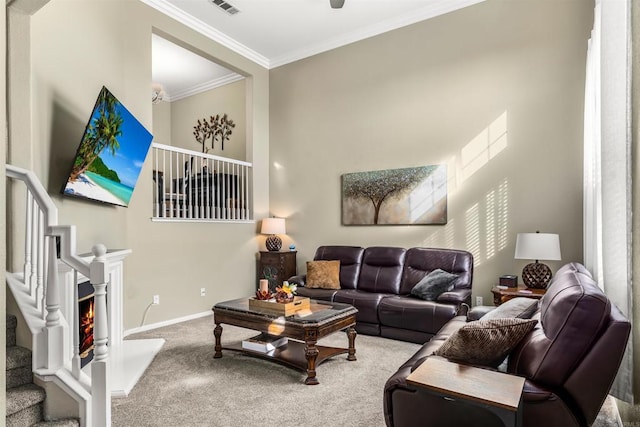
[[206, 30], [437, 9], [203, 87], [428, 12]]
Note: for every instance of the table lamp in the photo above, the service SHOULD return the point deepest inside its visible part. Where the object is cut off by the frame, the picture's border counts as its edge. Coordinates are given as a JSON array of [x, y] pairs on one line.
[[272, 227], [537, 246]]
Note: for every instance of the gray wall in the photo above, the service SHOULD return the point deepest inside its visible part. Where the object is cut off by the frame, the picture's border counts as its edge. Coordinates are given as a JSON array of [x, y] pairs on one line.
[[76, 47], [162, 123], [229, 99], [499, 82]]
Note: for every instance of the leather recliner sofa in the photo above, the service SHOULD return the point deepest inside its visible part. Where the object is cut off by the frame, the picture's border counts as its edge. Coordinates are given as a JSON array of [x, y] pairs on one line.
[[378, 282], [569, 362]]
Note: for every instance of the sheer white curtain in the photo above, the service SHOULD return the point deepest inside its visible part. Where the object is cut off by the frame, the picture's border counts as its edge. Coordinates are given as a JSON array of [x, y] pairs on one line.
[[592, 221], [607, 165]]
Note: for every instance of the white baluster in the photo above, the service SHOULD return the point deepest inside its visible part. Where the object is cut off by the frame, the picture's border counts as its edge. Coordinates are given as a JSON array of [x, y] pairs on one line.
[[76, 360], [100, 389], [33, 278], [247, 198], [172, 205], [40, 262], [53, 330], [217, 190], [45, 268], [156, 181], [27, 241], [242, 179], [166, 181]]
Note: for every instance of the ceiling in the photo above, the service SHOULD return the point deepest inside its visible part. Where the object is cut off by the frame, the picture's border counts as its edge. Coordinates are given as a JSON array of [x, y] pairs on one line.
[[183, 73], [276, 32]]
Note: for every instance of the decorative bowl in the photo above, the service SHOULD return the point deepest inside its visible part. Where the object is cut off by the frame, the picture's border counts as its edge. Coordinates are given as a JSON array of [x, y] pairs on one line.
[[283, 297], [263, 295]]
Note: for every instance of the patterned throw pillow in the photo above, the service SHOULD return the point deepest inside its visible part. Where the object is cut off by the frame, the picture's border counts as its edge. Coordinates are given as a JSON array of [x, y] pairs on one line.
[[323, 274], [522, 308], [485, 342], [433, 284]]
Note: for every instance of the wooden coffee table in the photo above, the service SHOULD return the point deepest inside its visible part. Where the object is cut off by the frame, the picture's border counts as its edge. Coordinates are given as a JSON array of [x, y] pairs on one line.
[[303, 329]]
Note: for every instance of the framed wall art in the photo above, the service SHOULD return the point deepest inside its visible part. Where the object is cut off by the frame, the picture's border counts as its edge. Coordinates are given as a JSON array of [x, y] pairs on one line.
[[408, 196]]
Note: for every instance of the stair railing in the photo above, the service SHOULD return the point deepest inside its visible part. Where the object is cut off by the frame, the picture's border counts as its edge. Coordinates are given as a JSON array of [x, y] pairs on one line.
[[193, 186], [38, 295]]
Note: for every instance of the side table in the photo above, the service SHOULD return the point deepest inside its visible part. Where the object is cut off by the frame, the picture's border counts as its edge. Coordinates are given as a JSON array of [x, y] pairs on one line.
[[501, 295], [276, 267], [494, 391]]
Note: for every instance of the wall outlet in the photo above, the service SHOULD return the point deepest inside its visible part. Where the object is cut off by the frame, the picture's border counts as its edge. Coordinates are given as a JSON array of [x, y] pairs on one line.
[[479, 301], [156, 299], [203, 292]]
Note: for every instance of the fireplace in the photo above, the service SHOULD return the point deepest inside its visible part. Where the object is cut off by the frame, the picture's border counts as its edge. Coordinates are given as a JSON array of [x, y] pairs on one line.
[[128, 359], [86, 310]]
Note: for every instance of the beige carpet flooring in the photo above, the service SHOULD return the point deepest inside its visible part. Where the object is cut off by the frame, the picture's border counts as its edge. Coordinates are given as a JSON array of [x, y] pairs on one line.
[[185, 386]]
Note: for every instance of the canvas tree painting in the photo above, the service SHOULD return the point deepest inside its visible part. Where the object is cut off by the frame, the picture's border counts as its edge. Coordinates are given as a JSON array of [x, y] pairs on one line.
[[408, 196]]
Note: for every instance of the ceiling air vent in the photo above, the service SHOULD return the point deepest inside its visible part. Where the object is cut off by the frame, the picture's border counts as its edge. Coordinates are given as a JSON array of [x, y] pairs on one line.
[[226, 6]]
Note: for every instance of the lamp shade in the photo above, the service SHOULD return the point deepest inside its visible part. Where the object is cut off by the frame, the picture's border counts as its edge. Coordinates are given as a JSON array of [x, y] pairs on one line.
[[538, 246], [273, 226]]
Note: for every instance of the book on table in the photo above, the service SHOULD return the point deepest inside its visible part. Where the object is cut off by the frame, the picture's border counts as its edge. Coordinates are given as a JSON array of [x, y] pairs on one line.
[[264, 343]]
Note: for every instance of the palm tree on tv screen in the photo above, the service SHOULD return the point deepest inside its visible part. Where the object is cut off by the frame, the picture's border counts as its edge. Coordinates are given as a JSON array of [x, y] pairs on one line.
[[103, 132]]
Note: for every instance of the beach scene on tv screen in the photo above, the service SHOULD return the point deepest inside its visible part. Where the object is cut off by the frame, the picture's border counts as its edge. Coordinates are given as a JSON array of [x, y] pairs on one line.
[[111, 154]]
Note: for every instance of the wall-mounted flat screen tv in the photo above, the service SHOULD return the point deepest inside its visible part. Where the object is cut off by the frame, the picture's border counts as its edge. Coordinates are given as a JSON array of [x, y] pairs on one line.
[[111, 154]]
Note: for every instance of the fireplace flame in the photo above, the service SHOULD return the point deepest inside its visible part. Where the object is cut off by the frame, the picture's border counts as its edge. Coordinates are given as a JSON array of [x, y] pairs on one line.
[[86, 327]]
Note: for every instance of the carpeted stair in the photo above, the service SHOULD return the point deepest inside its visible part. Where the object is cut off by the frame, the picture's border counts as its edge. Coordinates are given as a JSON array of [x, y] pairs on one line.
[[25, 400]]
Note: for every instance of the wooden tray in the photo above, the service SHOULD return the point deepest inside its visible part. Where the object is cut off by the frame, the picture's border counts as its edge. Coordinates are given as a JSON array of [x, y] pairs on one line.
[[279, 308]]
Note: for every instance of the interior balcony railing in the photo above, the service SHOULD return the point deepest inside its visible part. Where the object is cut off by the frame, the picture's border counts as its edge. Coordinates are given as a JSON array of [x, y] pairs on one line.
[[193, 186], [37, 291]]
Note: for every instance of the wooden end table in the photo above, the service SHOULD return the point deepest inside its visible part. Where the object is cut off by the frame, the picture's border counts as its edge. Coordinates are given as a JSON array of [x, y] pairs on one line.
[[277, 267], [501, 295], [497, 392], [304, 328]]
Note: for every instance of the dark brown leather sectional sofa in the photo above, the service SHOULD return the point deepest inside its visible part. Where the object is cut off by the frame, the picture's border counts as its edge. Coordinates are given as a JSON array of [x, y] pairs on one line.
[[569, 361], [378, 281]]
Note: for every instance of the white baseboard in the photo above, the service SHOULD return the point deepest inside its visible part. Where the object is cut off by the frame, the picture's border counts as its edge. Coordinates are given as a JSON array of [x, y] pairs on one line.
[[167, 323]]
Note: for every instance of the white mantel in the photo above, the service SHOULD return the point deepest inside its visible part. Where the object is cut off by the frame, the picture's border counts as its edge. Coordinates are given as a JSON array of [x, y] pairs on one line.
[[128, 359]]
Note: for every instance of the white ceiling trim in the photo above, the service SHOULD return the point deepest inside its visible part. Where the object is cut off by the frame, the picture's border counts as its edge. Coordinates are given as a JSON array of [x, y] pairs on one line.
[[203, 87], [411, 18], [440, 8], [206, 30]]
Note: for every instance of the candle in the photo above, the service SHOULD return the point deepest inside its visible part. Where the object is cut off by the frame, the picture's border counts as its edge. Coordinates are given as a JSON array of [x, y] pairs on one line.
[[264, 285]]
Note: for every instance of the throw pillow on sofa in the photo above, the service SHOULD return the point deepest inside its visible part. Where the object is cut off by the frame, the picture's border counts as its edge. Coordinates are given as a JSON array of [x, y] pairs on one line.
[[323, 274], [521, 307], [434, 284], [485, 342]]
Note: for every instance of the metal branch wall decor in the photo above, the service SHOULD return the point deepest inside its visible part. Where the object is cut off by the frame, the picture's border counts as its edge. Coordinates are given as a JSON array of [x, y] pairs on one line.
[[217, 128], [408, 196]]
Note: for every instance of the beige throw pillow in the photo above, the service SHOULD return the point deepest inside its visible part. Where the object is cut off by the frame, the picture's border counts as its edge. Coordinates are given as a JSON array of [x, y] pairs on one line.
[[323, 274], [485, 342], [521, 307]]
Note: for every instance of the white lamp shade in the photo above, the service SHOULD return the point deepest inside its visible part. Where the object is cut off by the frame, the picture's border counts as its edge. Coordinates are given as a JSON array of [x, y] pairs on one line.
[[273, 226], [538, 246]]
